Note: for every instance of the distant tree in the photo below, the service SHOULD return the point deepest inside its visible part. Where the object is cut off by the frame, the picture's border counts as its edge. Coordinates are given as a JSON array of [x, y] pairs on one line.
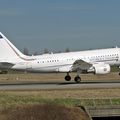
[[46, 51], [59, 51], [26, 51], [67, 50], [35, 53]]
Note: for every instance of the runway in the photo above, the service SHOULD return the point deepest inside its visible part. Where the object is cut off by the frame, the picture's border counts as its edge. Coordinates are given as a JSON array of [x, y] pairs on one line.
[[90, 84]]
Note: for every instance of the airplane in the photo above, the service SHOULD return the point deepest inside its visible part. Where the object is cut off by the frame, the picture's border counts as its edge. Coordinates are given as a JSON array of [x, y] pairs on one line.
[[97, 61]]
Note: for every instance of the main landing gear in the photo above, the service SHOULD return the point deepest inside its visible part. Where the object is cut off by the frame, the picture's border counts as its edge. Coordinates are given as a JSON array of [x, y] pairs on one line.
[[77, 79], [67, 77]]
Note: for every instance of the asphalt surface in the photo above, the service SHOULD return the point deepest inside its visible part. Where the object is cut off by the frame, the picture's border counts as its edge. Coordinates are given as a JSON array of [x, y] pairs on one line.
[[60, 85]]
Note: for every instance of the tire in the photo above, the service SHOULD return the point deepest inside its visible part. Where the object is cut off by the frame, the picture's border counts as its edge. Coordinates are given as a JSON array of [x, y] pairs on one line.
[[67, 78], [77, 79]]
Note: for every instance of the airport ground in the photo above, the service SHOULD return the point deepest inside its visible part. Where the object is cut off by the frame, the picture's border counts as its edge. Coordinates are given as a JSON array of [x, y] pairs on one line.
[[52, 77], [67, 97]]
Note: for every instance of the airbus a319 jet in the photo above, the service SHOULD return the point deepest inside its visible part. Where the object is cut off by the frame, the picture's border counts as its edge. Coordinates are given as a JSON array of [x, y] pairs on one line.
[[90, 61]]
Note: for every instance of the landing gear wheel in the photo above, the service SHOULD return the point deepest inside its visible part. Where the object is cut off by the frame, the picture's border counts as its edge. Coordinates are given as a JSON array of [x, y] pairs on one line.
[[77, 79], [67, 78], [119, 73]]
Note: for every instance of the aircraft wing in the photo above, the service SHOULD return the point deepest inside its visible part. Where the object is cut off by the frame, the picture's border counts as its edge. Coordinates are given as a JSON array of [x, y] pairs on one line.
[[6, 65], [81, 65]]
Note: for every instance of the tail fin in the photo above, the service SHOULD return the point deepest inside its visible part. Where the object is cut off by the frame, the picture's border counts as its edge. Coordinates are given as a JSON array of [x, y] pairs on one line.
[[7, 50]]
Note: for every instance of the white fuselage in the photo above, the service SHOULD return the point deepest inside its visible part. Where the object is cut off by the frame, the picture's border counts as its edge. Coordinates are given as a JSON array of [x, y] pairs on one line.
[[62, 62]]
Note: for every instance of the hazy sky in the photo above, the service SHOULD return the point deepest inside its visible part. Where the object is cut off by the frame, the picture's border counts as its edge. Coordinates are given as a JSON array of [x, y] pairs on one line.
[[61, 24]]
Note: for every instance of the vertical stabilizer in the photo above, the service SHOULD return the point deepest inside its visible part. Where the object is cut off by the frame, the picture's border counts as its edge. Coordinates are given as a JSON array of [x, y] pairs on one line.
[[7, 50]]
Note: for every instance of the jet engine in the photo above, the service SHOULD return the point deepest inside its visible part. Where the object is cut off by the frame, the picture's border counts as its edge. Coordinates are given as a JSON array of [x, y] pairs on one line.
[[101, 68]]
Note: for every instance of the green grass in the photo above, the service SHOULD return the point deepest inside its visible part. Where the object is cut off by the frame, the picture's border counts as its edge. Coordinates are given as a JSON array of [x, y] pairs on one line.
[[7, 100], [114, 69], [116, 101]]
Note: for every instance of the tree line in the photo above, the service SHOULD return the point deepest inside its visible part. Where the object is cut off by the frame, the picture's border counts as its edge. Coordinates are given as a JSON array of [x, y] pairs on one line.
[[45, 51]]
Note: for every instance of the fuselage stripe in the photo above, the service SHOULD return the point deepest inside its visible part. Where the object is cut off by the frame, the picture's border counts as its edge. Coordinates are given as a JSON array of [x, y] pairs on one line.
[[18, 54]]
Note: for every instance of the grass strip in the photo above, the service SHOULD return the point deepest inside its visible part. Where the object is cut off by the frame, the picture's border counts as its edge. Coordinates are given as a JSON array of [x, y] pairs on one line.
[[7, 100]]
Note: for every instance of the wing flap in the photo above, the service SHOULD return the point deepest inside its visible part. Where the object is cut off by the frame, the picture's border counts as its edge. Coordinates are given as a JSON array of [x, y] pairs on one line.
[[81, 64]]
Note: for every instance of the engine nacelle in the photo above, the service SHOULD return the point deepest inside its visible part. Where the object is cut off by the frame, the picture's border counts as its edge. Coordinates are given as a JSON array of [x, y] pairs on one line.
[[101, 68]]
